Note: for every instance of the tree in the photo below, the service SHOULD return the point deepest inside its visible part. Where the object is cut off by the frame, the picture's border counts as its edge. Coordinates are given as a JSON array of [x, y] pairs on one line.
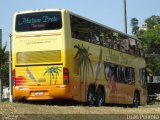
[[151, 39], [151, 36], [134, 24], [4, 69], [3, 55], [154, 64], [152, 21]]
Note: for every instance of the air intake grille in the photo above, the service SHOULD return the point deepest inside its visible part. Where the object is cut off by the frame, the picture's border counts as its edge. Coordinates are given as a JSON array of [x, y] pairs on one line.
[[38, 57]]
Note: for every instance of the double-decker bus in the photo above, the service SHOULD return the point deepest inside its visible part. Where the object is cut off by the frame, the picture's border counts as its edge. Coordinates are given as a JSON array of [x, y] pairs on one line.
[[58, 54]]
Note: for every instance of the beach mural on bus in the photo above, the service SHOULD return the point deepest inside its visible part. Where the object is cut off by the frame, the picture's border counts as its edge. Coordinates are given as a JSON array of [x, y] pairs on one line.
[[83, 56], [84, 61]]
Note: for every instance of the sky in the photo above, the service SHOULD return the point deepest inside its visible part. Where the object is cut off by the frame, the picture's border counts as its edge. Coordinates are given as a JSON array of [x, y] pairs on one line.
[[107, 12]]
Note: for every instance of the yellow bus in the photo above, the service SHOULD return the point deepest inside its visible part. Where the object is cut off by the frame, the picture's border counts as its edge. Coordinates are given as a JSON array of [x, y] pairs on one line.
[[58, 54]]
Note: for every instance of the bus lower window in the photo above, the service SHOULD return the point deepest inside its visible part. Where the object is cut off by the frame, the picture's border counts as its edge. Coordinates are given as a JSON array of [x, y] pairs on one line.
[[111, 72], [142, 73], [119, 73]]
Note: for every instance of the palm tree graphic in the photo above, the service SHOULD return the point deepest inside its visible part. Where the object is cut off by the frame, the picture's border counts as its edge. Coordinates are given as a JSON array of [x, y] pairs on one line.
[[52, 71], [83, 57], [98, 69]]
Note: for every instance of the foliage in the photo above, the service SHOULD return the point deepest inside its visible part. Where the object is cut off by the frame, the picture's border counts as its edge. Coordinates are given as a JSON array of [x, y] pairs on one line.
[[134, 24], [4, 69], [152, 21], [135, 30], [5, 74], [154, 64], [150, 38], [3, 55]]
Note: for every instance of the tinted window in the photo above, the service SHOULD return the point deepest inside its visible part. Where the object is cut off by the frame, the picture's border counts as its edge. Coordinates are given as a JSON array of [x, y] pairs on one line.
[[38, 21], [91, 32], [119, 73], [107, 71], [143, 78]]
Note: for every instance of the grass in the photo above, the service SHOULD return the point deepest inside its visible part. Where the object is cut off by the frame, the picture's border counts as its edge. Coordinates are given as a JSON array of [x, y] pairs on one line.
[[71, 112]]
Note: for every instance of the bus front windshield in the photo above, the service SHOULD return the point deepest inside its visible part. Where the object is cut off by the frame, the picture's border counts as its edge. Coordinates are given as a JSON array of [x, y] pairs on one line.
[[38, 21]]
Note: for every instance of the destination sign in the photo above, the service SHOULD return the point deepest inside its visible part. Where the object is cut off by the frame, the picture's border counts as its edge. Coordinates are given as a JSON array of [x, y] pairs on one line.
[[38, 21], [41, 19]]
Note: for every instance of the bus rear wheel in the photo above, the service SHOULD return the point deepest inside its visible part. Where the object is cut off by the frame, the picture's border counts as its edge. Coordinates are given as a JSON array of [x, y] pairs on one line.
[[100, 97], [136, 100], [91, 96]]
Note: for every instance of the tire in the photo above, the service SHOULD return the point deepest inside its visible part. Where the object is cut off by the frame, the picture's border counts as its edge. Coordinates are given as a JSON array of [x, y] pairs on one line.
[[136, 100], [91, 96], [100, 97]]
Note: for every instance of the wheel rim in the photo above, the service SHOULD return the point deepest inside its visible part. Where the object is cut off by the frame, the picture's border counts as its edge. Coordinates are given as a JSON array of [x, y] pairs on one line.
[[100, 103], [100, 98], [136, 101], [91, 97]]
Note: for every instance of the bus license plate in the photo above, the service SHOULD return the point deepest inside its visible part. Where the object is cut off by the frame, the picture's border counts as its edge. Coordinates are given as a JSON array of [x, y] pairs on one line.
[[39, 93]]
